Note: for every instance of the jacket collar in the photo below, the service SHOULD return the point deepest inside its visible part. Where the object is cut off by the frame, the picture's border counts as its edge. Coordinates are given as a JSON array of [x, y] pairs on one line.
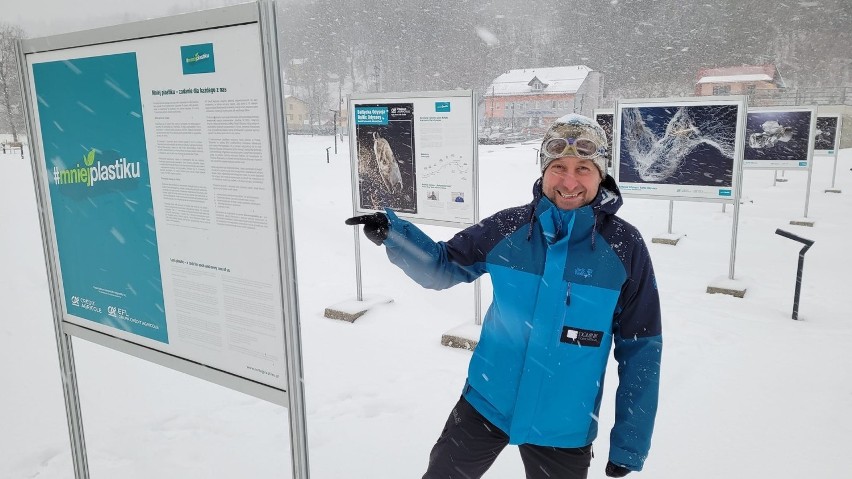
[[607, 201]]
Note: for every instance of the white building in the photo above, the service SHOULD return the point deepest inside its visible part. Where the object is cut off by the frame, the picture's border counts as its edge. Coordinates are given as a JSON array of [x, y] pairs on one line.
[[530, 99]]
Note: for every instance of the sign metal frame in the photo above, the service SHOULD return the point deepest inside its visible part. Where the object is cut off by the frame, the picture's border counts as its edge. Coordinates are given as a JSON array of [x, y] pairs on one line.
[[261, 13]]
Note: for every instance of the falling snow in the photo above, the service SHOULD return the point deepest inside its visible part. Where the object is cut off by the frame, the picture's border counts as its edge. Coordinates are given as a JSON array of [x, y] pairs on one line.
[[387, 381]]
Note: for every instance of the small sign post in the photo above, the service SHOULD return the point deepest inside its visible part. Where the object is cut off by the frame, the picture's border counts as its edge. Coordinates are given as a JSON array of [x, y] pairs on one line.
[[808, 243]]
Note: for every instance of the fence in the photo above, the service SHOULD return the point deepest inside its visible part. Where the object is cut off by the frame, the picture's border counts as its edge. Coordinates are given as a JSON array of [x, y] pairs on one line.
[[802, 96], [12, 147]]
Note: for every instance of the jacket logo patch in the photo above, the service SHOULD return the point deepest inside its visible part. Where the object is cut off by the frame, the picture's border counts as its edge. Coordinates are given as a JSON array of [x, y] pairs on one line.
[[581, 337], [584, 272]]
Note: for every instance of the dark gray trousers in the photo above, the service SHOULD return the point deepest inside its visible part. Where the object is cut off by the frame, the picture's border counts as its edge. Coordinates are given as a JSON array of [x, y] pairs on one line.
[[469, 445]]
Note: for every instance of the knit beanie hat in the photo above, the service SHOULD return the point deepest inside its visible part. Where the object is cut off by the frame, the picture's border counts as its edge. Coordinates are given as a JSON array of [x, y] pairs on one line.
[[573, 128]]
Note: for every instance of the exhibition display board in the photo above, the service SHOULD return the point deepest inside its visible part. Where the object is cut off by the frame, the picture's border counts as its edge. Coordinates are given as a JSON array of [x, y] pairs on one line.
[[679, 148], [161, 173], [827, 134], [605, 119], [780, 139], [827, 142], [160, 187], [415, 153]]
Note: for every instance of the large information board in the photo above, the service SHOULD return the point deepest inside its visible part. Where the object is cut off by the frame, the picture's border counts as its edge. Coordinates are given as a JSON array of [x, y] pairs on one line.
[[156, 157], [415, 153], [161, 172]]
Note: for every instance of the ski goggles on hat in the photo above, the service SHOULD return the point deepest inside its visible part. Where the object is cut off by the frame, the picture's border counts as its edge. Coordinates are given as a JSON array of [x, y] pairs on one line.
[[579, 147]]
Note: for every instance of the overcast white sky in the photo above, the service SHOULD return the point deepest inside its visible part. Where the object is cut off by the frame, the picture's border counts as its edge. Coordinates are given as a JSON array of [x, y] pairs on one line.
[[49, 17]]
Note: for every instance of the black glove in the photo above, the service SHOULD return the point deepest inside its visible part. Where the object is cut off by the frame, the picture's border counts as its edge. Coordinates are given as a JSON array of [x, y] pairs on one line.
[[614, 470], [375, 226]]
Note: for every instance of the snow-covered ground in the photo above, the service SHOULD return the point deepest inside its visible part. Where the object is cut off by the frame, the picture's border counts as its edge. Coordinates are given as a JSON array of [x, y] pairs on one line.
[[746, 391]]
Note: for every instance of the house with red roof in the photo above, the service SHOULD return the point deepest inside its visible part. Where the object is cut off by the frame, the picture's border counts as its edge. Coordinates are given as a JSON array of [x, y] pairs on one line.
[[741, 80]]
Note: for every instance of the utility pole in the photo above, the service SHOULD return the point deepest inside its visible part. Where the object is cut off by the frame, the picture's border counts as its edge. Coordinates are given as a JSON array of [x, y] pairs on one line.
[[491, 119], [376, 73], [334, 137], [340, 105]]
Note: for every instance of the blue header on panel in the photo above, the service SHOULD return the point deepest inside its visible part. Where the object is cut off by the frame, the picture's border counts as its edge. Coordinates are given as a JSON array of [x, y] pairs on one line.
[[371, 115]]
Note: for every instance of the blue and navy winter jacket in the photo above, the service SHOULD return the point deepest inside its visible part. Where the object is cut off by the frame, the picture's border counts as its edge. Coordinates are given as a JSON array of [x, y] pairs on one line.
[[567, 285]]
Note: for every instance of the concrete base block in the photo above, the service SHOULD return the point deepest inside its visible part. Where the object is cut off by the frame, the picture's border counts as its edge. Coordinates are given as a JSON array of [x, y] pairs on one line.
[[739, 293], [833, 190], [727, 286], [353, 309], [803, 222], [465, 336], [668, 238]]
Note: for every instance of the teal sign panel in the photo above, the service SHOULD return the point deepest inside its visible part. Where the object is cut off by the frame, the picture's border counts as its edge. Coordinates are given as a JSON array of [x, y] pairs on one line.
[[93, 137]]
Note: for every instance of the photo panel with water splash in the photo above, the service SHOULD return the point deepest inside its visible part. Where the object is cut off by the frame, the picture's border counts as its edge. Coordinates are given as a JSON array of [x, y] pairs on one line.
[[686, 145], [778, 139]]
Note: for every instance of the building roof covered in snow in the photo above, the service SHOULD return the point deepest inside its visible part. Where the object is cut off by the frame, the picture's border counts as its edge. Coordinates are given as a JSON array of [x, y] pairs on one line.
[[539, 81], [740, 74], [735, 78]]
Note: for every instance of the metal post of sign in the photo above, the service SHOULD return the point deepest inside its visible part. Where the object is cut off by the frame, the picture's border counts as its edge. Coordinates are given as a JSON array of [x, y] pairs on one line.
[[811, 142], [70, 390], [808, 187], [743, 116], [477, 302], [358, 286], [68, 372], [736, 220], [293, 343], [72, 407], [477, 285], [836, 149], [671, 214], [834, 170]]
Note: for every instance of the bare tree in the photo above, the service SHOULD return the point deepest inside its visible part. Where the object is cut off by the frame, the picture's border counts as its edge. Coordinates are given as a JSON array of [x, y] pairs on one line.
[[11, 108]]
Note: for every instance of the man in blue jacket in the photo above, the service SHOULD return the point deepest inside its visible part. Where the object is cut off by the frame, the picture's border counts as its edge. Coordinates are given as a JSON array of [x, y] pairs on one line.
[[570, 279]]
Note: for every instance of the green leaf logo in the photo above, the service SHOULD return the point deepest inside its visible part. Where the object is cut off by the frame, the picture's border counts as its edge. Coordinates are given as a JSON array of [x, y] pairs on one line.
[[89, 159]]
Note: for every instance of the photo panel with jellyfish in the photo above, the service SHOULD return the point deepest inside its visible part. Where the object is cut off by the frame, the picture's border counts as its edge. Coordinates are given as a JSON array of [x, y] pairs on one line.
[[688, 145], [385, 150], [825, 136], [777, 139]]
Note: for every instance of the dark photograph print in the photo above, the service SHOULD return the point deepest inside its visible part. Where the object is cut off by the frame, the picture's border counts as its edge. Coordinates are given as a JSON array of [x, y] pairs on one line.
[[825, 135], [777, 135], [386, 161], [605, 120], [678, 145]]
